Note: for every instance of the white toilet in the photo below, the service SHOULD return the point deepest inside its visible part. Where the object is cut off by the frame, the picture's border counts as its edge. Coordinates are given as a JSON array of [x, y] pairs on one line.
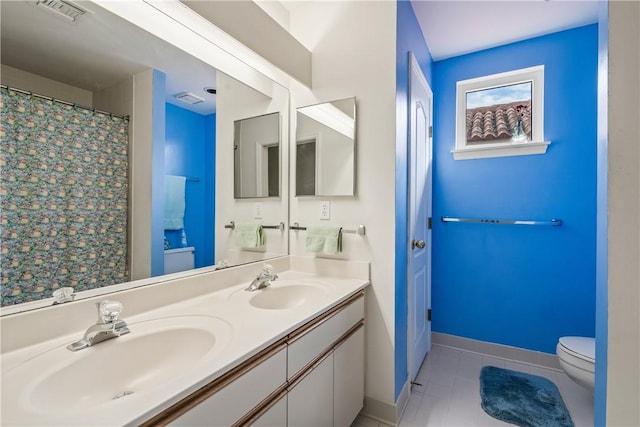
[[577, 356], [179, 259]]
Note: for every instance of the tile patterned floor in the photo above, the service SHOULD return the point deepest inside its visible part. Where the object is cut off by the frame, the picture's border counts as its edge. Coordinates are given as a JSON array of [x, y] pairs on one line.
[[449, 394]]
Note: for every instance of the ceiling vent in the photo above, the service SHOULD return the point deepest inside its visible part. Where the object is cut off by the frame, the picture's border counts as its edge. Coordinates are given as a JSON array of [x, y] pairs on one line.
[[189, 98], [61, 7]]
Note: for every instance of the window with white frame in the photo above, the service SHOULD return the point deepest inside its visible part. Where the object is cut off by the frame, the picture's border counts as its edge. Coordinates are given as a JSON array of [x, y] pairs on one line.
[[501, 115]]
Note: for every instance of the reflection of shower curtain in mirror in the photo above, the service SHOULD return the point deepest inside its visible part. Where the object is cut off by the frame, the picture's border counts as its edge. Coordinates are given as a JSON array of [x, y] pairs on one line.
[[63, 190]]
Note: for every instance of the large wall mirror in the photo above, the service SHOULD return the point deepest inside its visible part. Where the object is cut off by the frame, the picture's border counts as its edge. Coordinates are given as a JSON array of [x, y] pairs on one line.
[[167, 169], [325, 149]]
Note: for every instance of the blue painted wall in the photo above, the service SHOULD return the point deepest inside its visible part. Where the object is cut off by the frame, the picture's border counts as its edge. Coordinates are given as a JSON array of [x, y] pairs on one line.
[[409, 39], [521, 286], [190, 152], [208, 246], [602, 266], [157, 183]]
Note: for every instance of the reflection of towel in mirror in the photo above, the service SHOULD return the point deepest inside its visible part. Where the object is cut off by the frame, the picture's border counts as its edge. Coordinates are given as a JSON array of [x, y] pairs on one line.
[[249, 235], [325, 239], [174, 202]]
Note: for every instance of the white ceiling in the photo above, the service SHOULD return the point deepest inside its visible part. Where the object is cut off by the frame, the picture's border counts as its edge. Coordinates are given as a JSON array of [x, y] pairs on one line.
[[454, 28], [96, 51], [100, 49]]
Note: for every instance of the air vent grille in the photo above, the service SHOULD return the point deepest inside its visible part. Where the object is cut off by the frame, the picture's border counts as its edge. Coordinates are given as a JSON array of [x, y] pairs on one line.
[[189, 98], [62, 7]]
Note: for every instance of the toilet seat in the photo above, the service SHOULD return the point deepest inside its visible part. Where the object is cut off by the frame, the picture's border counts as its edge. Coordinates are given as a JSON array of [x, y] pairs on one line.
[[581, 347]]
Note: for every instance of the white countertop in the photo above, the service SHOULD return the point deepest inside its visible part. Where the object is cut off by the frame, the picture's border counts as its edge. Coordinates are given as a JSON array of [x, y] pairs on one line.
[[244, 331]]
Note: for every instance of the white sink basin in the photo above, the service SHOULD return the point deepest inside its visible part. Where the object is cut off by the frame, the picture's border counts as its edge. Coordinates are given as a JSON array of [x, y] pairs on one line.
[[283, 295], [155, 352]]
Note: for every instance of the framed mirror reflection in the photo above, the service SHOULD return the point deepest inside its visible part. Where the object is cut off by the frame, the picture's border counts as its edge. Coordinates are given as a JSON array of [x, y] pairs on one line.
[[326, 148], [256, 157]]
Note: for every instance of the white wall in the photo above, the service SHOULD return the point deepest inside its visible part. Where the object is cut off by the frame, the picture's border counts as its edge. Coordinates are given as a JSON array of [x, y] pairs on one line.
[[117, 99], [623, 353], [348, 62], [140, 181], [13, 77], [236, 101]]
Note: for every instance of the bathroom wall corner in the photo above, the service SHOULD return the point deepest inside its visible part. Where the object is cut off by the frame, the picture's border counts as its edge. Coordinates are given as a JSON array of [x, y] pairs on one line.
[[600, 392]]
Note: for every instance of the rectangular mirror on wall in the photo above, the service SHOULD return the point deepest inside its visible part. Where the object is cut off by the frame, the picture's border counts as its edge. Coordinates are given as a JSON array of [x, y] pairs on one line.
[[256, 157], [127, 143], [325, 149]]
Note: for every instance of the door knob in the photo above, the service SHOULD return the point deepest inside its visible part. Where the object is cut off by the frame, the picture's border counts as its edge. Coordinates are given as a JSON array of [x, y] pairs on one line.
[[417, 244]]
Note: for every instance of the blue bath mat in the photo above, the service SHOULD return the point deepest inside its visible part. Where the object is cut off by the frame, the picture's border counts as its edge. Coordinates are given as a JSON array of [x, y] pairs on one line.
[[522, 399]]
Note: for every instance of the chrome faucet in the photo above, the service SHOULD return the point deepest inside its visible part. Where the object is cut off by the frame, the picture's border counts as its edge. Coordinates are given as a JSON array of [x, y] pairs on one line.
[[107, 327], [263, 280]]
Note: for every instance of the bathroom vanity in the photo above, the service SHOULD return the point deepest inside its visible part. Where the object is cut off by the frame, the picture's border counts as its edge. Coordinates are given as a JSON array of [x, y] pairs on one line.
[[289, 354]]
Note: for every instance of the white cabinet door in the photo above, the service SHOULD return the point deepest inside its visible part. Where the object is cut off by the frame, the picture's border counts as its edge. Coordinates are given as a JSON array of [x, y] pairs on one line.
[[235, 400], [305, 347], [310, 401], [348, 377], [276, 416]]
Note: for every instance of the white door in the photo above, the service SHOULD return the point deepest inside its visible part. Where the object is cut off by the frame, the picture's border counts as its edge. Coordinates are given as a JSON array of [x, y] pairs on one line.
[[419, 274]]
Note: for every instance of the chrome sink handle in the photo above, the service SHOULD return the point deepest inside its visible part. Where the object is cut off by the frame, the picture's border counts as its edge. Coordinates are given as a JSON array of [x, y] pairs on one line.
[[108, 311], [267, 269]]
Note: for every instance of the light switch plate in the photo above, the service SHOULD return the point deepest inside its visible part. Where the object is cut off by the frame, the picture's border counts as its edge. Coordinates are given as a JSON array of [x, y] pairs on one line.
[[325, 209], [257, 210]]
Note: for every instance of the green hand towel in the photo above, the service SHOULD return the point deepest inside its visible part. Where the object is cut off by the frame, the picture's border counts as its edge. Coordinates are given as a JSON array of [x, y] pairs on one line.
[[325, 239], [174, 203], [249, 235]]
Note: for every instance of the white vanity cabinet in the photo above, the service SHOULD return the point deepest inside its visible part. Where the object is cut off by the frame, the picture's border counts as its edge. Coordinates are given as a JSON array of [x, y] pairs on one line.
[[325, 368], [311, 397], [237, 394], [314, 376], [348, 379], [321, 334], [331, 392]]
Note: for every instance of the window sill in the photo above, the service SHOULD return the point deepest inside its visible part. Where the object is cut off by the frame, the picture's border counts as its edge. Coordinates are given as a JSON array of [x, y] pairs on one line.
[[506, 150]]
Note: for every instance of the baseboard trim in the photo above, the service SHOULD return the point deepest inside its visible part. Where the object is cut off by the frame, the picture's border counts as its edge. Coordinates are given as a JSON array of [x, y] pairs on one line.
[[497, 350], [377, 410], [387, 413], [402, 401]]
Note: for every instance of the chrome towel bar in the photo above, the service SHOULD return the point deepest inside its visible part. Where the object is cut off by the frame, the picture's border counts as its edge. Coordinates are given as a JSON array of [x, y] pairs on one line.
[[360, 230], [554, 222], [232, 226]]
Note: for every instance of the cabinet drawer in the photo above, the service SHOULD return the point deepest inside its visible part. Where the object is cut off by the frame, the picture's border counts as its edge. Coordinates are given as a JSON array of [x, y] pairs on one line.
[[234, 400], [306, 345]]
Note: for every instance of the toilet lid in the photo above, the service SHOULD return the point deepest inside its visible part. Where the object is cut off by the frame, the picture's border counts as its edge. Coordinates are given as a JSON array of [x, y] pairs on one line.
[[582, 347]]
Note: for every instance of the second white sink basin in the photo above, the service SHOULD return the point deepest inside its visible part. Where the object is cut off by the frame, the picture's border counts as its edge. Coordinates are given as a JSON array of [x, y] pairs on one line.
[[120, 369], [283, 295]]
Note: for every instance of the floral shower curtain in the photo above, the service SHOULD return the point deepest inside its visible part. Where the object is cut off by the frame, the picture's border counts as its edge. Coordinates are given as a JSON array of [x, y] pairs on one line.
[[63, 197]]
